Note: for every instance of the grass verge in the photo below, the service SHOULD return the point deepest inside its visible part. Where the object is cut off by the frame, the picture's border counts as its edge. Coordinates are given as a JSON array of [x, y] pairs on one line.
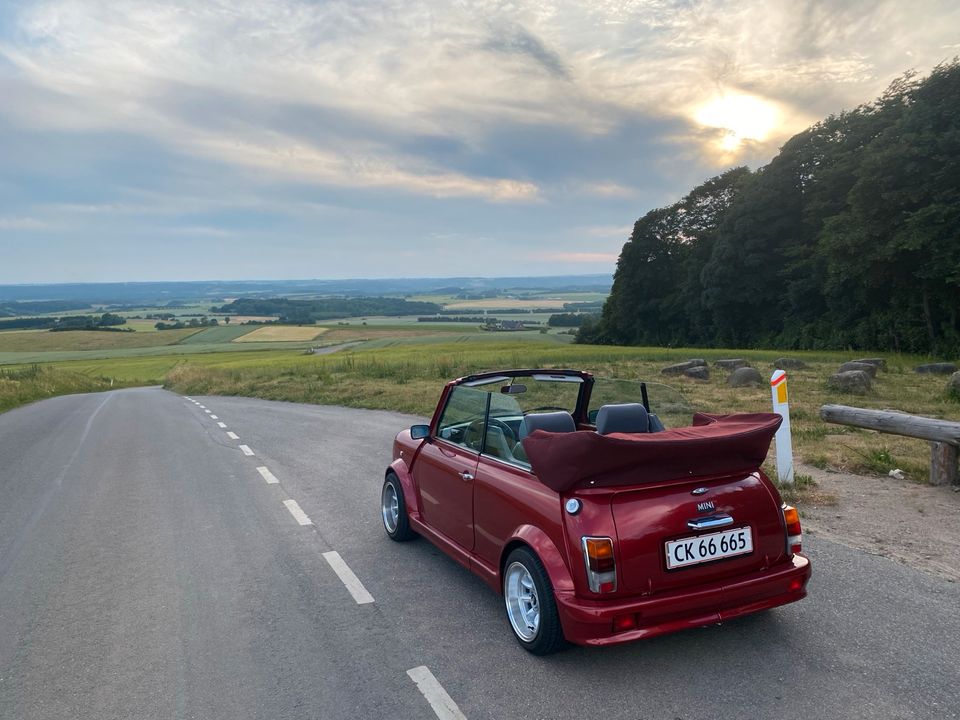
[[27, 385]]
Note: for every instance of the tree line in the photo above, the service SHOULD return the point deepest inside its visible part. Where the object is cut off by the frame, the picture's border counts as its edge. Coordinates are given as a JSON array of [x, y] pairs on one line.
[[848, 238], [311, 311]]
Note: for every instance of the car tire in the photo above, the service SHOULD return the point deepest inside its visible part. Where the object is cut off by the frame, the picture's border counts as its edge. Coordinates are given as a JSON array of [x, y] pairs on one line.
[[530, 603], [393, 510]]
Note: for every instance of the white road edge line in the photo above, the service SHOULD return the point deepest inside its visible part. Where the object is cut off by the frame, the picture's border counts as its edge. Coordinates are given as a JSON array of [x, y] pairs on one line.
[[299, 515], [442, 704], [267, 475], [351, 581], [232, 435], [246, 450], [222, 424]]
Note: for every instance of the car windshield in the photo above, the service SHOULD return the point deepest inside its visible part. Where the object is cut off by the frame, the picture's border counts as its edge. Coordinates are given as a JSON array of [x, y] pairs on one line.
[[668, 403], [515, 397]]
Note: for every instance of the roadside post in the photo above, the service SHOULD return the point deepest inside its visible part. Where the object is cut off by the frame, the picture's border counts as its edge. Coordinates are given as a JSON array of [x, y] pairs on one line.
[[781, 406]]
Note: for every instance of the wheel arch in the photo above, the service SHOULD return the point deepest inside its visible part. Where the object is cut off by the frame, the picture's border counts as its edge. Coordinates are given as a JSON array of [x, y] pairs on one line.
[[540, 543], [399, 469]]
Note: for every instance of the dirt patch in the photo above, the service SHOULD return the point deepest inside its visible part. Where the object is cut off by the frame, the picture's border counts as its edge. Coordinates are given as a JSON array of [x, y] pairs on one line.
[[917, 525]]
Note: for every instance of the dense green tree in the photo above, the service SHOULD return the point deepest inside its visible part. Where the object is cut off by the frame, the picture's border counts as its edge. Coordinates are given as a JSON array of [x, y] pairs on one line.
[[849, 237]]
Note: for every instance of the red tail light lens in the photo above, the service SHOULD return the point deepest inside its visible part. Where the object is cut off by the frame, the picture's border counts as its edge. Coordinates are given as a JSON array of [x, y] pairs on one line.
[[600, 564], [794, 533]]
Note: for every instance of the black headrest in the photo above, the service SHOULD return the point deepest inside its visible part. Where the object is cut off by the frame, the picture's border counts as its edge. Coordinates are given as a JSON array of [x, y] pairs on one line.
[[561, 421], [625, 418]]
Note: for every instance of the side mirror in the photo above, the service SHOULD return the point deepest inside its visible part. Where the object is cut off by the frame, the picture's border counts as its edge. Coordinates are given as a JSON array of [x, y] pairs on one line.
[[419, 432]]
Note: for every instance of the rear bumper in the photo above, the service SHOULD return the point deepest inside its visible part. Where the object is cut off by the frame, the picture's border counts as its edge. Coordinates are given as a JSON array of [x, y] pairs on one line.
[[590, 622]]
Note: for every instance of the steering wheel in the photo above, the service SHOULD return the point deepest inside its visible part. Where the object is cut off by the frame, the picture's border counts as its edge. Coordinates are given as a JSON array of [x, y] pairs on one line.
[[473, 433]]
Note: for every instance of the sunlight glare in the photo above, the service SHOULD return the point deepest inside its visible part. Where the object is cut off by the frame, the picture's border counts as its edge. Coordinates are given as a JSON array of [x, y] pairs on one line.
[[744, 117]]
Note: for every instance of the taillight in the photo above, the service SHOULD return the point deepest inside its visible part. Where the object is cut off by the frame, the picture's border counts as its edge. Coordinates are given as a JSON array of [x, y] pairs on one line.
[[794, 534], [600, 563]]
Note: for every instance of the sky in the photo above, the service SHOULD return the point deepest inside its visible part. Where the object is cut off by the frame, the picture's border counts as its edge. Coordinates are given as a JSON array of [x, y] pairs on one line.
[[247, 139]]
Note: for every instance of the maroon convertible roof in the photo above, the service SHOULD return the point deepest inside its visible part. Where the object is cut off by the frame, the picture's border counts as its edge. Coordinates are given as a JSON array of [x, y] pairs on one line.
[[714, 444]]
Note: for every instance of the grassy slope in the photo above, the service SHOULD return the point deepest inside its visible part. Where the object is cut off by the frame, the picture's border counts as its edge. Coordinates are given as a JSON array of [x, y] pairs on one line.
[[403, 369], [407, 376], [37, 383]]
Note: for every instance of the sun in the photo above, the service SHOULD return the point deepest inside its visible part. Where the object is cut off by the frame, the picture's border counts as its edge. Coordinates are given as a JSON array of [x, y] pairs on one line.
[[742, 117]]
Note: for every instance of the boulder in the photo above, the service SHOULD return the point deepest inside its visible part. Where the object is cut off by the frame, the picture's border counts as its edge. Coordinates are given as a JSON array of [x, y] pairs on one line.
[[880, 363], [789, 364], [697, 372], [855, 382], [745, 377], [868, 368], [936, 369], [731, 364], [679, 368], [953, 387]]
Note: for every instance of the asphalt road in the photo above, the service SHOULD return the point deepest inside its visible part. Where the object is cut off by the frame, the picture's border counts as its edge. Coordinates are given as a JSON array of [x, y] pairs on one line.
[[148, 569]]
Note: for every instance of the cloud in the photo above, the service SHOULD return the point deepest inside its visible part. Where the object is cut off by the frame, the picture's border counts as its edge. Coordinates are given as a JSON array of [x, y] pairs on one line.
[[518, 41], [609, 231], [578, 257], [23, 223], [336, 132]]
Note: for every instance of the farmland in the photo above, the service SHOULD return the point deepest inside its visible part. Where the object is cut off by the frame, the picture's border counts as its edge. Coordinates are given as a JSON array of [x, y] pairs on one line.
[[281, 333], [399, 363]]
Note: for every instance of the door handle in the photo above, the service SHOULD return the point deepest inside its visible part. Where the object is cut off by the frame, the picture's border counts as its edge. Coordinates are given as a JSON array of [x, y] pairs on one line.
[[466, 475]]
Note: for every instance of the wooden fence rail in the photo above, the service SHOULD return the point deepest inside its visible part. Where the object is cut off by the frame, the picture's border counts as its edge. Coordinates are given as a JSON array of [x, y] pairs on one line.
[[943, 435]]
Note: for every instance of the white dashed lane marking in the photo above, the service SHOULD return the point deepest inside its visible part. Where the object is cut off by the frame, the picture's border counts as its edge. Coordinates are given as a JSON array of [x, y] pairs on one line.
[[299, 515], [232, 435], [208, 412], [351, 581], [443, 705], [267, 475], [222, 424], [202, 407], [245, 449], [214, 417]]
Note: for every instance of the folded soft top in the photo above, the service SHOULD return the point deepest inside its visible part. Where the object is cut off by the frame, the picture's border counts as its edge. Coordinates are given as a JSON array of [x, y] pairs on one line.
[[713, 445]]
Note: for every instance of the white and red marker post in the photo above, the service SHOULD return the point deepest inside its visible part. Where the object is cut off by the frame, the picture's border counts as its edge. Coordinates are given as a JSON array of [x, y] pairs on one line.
[[781, 406]]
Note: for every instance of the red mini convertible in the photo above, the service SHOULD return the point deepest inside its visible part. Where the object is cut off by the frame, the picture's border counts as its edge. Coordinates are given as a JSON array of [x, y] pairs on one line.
[[596, 522]]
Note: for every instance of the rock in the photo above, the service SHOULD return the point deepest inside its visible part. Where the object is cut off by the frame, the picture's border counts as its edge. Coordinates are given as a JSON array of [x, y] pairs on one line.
[[855, 382], [697, 372], [868, 368], [789, 364], [731, 364], [880, 363], [679, 368], [745, 377], [953, 387], [936, 369]]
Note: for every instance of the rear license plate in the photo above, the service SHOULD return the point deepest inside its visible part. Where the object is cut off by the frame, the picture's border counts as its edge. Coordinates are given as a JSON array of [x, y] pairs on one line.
[[704, 548]]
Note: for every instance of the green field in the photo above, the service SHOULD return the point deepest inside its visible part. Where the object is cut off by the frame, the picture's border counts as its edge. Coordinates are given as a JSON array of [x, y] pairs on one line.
[[219, 334]]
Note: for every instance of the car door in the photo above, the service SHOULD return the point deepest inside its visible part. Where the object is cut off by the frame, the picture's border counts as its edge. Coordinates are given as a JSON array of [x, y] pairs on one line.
[[447, 465]]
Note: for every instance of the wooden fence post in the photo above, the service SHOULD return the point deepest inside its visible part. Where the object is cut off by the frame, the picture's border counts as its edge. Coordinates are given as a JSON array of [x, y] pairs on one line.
[[943, 463]]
